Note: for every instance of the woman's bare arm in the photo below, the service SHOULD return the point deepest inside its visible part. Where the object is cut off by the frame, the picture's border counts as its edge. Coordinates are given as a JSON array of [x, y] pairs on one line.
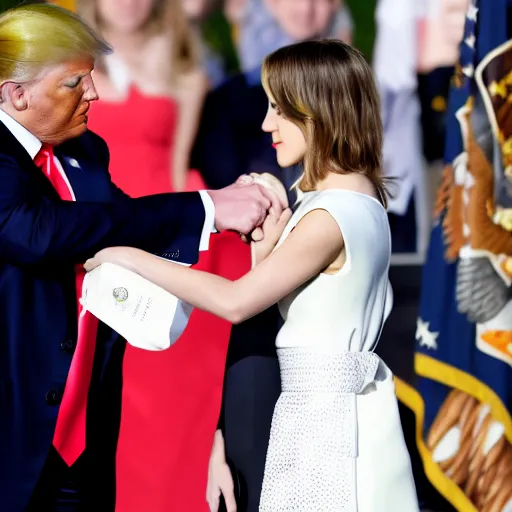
[[190, 95], [308, 250]]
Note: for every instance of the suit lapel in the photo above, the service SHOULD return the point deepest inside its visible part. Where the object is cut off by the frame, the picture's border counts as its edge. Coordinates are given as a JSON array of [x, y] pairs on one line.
[[87, 181], [10, 146], [75, 174]]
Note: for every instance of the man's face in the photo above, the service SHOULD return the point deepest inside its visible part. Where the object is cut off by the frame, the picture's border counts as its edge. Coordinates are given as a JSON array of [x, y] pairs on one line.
[[58, 102], [304, 19]]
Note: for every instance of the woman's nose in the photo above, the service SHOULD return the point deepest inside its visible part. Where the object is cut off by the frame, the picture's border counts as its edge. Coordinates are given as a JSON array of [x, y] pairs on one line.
[[269, 124]]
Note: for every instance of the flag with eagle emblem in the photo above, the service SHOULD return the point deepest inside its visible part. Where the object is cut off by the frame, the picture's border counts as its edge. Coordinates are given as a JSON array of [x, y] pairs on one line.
[[463, 358]]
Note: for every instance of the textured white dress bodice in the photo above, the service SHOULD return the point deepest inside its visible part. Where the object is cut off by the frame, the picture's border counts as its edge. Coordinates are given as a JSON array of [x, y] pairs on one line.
[[343, 311]]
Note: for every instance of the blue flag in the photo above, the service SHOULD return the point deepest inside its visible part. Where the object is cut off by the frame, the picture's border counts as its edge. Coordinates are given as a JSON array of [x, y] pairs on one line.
[[463, 360]]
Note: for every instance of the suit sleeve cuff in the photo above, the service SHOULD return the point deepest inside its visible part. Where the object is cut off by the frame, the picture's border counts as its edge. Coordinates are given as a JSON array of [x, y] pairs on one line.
[[209, 220]]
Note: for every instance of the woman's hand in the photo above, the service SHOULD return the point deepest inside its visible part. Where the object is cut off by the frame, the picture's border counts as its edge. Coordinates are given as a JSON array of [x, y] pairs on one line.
[[272, 228], [118, 255], [220, 480], [265, 237]]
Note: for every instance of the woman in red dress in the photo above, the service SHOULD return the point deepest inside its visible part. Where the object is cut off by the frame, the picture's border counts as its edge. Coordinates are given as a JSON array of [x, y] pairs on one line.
[[141, 133], [151, 93]]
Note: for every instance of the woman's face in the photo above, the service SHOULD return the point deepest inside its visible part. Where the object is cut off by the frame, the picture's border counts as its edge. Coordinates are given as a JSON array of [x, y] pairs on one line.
[[287, 138], [125, 16]]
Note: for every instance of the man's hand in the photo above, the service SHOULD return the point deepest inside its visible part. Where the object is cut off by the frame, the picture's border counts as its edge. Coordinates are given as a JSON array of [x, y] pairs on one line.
[[243, 206]]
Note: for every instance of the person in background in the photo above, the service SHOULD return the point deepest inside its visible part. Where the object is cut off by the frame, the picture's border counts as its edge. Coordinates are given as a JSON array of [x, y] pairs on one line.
[[395, 66], [153, 471], [234, 10], [213, 29], [151, 91], [413, 37], [267, 25], [230, 141]]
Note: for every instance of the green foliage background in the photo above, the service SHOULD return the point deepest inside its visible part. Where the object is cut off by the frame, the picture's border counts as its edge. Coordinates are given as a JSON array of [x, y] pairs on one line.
[[363, 13]]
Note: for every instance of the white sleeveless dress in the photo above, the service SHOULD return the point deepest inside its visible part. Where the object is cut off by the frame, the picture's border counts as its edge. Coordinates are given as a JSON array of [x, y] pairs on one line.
[[336, 443]]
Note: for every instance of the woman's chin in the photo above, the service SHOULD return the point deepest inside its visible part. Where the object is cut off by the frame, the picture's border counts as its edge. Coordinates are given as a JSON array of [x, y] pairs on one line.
[[283, 161]]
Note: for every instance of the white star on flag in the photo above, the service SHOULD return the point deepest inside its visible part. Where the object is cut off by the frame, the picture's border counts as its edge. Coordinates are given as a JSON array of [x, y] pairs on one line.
[[470, 41], [468, 70], [472, 12], [426, 337]]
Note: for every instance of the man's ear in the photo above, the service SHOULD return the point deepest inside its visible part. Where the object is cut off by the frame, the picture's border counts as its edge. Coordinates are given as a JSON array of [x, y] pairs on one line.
[[14, 94]]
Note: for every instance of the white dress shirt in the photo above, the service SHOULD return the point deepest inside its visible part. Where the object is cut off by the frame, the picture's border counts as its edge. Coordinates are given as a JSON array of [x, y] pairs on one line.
[[32, 145], [395, 66]]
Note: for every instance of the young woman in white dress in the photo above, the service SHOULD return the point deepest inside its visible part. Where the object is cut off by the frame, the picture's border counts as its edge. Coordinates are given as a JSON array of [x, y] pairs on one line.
[[336, 442]]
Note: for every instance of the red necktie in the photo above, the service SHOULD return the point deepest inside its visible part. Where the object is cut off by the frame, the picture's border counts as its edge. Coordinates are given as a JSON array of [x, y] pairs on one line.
[[69, 437]]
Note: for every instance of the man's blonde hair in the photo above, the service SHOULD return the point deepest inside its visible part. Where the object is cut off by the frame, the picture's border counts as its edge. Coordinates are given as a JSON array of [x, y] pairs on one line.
[[35, 36]]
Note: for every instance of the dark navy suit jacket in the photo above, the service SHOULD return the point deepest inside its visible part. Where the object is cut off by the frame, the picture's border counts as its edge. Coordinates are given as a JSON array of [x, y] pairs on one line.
[[41, 238]]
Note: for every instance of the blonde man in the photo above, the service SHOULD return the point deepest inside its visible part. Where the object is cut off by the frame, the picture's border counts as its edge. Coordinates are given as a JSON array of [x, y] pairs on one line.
[[58, 206]]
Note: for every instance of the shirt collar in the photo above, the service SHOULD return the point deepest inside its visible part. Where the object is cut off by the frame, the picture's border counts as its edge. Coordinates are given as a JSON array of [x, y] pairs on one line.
[[29, 141]]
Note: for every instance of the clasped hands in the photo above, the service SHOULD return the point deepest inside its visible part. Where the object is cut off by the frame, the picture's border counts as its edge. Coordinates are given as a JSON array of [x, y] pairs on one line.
[[255, 206], [264, 237], [252, 206]]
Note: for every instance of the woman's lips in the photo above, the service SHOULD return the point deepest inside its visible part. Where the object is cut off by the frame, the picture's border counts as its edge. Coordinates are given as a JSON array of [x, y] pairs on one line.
[[275, 144]]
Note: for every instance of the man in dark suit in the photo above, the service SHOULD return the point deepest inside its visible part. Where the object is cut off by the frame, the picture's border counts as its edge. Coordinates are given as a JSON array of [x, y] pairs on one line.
[[47, 155]]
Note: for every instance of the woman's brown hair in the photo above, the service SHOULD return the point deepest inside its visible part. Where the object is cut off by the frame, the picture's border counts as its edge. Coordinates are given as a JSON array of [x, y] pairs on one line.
[[327, 88], [166, 15]]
